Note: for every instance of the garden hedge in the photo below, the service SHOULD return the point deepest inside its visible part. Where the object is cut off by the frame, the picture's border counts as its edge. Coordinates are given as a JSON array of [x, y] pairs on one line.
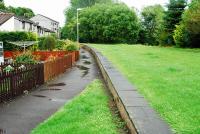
[[16, 36]]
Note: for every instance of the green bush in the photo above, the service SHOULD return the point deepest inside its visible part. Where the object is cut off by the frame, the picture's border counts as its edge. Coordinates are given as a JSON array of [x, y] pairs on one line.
[[109, 23], [41, 42], [7, 37], [60, 44], [71, 46], [191, 20], [26, 57], [180, 36], [49, 43], [106, 23]]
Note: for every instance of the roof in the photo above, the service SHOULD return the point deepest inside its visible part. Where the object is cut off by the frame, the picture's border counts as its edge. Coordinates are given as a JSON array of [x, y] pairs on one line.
[[24, 19], [5, 17], [47, 18]]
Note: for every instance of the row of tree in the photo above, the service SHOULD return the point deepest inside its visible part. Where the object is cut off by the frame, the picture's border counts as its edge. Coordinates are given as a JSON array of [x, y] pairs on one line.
[[108, 21], [179, 25], [19, 11]]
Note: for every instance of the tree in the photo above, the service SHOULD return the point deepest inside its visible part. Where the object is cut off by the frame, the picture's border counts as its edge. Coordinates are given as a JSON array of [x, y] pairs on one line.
[[75, 4], [152, 19], [21, 11], [70, 13], [191, 25], [173, 17], [109, 23], [2, 5]]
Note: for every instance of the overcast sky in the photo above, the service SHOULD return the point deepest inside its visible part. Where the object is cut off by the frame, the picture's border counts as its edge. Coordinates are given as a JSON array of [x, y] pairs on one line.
[[55, 8]]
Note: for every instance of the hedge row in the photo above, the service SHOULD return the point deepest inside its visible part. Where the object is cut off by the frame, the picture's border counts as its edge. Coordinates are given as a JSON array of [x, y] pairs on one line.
[[7, 37]]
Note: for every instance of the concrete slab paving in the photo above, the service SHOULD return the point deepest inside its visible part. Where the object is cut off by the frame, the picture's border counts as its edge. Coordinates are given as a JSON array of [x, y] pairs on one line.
[[25, 112]]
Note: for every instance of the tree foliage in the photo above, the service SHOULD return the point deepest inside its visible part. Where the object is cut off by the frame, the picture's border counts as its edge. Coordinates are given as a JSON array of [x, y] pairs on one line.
[[187, 34], [109, 23], [152, 19], [70, 13], [18, 11], [75, 4], [173, 16], [21, 11]]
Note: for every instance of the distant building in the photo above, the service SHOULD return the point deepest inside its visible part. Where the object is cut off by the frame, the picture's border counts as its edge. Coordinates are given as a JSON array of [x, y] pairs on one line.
[[9, 22], [47, 23]]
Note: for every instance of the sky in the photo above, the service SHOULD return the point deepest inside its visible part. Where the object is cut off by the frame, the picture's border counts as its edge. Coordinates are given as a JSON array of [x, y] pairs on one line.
[[55, 8]]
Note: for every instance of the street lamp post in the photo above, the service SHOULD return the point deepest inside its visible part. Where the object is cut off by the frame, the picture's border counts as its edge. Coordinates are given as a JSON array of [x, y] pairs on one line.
[[79, 9]]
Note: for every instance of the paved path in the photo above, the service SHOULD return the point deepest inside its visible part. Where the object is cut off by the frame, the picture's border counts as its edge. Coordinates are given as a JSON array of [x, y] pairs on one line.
[[25, 112]]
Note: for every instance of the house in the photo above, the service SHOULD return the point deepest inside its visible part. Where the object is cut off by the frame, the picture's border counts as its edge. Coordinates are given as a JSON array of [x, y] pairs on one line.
[[10, 22], [47, 23]]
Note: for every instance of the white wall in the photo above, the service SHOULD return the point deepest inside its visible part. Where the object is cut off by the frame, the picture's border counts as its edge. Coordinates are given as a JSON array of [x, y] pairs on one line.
[[8, 25], [17, 25], [47, 23]]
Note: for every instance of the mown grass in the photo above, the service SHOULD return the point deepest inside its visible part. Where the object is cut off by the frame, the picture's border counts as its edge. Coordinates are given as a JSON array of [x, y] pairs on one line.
[[169, 78], [88, 113]]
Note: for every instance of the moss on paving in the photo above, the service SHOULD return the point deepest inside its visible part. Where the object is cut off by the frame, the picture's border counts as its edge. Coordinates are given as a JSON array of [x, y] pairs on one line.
[[88, 113], [169, 78]]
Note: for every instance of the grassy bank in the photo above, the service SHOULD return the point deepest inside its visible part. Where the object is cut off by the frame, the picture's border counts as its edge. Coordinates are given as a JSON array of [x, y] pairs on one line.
[[169, 78], [88, 113]]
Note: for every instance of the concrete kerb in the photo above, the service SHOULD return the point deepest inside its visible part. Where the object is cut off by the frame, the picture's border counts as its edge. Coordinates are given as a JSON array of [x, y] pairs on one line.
[[140, 118]]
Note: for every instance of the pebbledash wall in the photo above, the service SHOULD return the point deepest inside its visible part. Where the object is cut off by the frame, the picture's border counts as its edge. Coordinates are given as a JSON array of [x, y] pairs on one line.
[[140, 118]]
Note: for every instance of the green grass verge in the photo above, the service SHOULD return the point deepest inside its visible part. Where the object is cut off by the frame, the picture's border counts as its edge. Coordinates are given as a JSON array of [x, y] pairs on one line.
[[169, 78], [88, 113]]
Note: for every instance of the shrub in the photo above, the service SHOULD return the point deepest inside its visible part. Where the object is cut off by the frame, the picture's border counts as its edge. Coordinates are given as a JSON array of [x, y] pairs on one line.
[[26, 57], [40, 43], [6, 37], [181, 36], [191, 20], [71, 46], [49, 43], [60, 44]]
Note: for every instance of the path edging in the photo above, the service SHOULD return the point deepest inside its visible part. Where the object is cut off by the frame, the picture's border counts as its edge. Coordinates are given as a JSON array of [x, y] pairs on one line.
[[140, 118]]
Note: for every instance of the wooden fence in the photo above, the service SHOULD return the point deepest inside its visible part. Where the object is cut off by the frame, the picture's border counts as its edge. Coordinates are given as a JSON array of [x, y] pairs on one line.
[[19, 81], [55, 67]]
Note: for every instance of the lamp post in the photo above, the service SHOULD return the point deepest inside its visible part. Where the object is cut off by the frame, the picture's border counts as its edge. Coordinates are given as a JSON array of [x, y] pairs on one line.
[[79, 9]]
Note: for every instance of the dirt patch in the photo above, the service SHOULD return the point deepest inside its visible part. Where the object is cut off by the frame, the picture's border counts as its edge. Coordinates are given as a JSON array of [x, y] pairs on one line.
[[57, 84]]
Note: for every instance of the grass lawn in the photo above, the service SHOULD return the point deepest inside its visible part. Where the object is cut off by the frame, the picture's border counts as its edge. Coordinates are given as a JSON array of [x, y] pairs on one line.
[[169, 78], [88, 113]]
